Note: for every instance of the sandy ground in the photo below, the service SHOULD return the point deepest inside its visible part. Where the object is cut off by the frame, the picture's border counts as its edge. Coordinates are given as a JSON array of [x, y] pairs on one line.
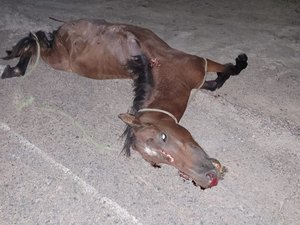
[[59, 133]]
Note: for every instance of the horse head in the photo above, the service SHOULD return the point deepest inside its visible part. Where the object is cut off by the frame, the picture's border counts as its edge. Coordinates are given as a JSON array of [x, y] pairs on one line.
[[166, 142]]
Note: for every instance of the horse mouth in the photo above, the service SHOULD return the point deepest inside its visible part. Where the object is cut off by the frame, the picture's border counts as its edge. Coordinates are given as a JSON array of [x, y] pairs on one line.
[[213, 180], [212, 177]]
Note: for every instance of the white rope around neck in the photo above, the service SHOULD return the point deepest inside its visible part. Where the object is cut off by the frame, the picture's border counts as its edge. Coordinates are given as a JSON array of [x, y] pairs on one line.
[[161, 111]]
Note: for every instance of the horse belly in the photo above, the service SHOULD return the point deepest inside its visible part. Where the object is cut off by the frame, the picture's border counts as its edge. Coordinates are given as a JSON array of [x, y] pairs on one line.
[[94, 64], [102, 51]]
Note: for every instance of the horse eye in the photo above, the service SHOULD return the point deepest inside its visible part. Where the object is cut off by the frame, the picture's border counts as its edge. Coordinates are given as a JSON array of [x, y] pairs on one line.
[[163, 137]]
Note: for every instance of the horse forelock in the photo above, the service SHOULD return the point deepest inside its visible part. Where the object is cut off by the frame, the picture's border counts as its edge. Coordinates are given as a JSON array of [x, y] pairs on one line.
[[143, 83]]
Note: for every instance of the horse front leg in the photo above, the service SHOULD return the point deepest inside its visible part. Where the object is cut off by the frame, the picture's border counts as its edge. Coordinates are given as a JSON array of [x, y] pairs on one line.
[[224, 71]]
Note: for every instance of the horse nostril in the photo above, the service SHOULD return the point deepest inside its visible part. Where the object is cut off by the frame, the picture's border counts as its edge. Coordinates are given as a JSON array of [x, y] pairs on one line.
[[213, 180]]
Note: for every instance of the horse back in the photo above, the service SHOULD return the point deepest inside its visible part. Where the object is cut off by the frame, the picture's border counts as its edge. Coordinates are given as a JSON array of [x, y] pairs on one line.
[[101, 50], [94, 49]]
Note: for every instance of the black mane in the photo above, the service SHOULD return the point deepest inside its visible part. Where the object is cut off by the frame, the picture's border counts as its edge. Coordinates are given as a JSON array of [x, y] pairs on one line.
[[143, 83]]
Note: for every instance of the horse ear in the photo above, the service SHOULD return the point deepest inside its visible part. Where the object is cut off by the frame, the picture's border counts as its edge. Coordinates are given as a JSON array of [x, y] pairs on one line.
[[130, 120]]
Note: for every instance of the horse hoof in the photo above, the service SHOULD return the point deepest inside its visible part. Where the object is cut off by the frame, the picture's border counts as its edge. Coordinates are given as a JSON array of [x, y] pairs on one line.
[[242, 57], [5, 71]]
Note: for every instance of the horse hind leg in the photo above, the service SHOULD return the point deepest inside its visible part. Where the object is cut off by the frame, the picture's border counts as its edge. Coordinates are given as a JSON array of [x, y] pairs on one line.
[[25, 49], [224, 72], [19, 69], [22, 49]]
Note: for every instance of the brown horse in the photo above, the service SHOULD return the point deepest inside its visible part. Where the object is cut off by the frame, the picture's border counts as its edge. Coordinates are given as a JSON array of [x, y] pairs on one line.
[[163, 80]]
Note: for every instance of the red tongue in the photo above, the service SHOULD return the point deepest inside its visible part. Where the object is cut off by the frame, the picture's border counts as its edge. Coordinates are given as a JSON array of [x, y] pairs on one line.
[[213, 182]]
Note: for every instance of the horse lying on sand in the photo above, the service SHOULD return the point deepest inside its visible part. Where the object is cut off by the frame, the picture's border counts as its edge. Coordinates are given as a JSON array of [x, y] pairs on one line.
[[163, 80]]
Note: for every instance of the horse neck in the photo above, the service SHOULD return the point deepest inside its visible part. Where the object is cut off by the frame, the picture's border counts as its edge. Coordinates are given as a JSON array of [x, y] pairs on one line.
[[173, 80], [169, 96]]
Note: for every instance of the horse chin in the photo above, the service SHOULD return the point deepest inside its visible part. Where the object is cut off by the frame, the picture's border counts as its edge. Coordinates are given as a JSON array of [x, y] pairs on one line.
[[211, 177], [213, 181]]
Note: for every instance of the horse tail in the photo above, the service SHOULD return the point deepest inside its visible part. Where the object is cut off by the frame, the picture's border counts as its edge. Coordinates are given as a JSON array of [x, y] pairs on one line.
[[27, 48], [57, 20]]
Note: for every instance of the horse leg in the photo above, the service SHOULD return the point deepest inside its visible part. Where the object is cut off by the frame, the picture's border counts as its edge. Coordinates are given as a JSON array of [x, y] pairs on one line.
[[51, 52], [24, 49], [224, 71], [19, 69]]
